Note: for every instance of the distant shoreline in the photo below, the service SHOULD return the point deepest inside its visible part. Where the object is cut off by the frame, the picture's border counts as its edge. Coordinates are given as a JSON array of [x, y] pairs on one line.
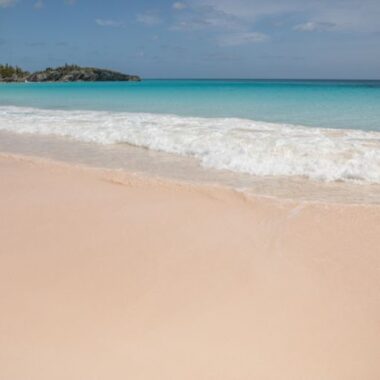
[[67, 73]]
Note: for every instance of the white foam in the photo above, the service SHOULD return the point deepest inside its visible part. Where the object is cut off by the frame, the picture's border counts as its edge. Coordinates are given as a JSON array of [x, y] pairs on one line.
[[259, 148]]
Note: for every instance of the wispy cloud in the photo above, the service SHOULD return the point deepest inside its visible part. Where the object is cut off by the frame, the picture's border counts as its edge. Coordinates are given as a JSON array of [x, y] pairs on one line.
[[7, 3], [70, 2], [346, 15], [179, 5], [149, 18], [227, 28], [314, 26], [242, 38], [203, 17], [248, 11], [108, 23]]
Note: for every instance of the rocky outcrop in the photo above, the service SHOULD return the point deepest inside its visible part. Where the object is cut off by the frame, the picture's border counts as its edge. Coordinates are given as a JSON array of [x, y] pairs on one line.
[[12, 74], [13, 78], [71, 73]]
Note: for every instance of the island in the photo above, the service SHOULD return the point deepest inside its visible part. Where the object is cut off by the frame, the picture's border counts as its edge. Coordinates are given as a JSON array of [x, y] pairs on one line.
[[67, 73]]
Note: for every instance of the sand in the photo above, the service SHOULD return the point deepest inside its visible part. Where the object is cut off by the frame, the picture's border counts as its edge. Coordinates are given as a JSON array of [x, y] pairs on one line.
[[105, 275]]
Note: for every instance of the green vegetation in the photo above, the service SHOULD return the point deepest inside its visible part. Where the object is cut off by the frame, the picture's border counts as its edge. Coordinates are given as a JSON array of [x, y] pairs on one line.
[[66, 73], [7, 71]]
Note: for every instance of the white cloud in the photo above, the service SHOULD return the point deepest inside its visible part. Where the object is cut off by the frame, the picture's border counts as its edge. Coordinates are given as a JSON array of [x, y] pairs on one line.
[[230, 30], [350, 15], [249, 10], [242, 38], [231, 22], [200, 17], [314, 26], [149, 18], [179, 6], [108, 23], [7, 3]]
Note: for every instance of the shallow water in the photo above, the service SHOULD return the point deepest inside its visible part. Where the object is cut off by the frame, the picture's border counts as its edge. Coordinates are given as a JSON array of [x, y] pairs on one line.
[[322, 104], [162, 165], [244, 133]]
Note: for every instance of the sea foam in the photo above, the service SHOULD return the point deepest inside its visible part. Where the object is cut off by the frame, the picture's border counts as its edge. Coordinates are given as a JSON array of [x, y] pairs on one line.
[[240, 145]]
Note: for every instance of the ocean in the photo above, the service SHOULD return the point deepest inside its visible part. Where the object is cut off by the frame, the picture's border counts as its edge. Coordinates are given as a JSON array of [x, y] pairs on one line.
[[327, 131]]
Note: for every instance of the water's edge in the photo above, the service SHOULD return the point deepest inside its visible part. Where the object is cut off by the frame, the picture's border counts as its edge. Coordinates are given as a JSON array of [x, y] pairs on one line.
[[160, 165]]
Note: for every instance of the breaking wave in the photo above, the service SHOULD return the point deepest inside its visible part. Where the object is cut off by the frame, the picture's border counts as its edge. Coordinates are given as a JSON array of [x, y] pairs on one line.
[[240, 145]]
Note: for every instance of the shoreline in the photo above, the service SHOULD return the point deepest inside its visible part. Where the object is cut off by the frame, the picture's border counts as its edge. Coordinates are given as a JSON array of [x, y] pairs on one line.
[[105, 273], [188, 170], [247, 148], [125, 177]]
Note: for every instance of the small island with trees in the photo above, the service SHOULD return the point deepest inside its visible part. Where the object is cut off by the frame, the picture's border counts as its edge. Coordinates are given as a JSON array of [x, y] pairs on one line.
[[67, 73]]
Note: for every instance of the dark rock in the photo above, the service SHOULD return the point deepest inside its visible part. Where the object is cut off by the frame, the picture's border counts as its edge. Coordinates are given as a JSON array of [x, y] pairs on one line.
[[67, 73], [75, 73]]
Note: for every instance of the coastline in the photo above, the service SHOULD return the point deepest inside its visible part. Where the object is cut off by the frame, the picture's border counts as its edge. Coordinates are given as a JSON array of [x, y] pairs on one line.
[[242, 146], [104, 273], [175, 168]]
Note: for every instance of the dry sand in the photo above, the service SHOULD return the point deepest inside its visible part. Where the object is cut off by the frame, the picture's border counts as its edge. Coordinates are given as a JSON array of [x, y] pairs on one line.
[[108, 276]]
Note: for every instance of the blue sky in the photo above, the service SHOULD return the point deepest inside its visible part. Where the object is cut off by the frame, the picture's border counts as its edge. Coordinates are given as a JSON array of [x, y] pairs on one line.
[[197, 38]]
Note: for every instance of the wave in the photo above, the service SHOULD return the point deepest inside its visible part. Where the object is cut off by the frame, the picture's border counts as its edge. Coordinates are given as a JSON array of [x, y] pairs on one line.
[[240, 145]]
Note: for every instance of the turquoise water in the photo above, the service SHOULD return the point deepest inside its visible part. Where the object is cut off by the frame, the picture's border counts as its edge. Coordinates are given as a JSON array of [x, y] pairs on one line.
[[327, 104], [322, 130]]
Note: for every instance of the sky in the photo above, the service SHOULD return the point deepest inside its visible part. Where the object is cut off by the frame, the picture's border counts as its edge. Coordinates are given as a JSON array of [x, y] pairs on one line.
[[329, 39]]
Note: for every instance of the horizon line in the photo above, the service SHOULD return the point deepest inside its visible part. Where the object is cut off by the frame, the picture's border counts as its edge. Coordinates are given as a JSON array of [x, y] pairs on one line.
[[279, 79]]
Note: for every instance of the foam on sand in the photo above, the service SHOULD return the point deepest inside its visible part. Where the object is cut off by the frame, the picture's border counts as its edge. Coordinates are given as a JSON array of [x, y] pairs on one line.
[[240, 145]]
